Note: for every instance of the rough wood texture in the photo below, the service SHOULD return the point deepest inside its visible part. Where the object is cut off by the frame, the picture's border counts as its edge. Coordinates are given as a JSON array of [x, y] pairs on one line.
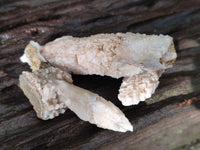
[[162, 122]]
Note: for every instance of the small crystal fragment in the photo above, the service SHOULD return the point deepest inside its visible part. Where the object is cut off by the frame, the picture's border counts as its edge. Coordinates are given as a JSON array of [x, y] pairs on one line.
[[50, 96]]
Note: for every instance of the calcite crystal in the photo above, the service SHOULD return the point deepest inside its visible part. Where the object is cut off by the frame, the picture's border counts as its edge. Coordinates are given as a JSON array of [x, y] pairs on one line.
[[139, 58], [138, 87], [51, 92]]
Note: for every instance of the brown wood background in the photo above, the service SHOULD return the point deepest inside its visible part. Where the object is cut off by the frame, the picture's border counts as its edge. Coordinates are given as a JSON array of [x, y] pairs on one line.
[[165, 121]]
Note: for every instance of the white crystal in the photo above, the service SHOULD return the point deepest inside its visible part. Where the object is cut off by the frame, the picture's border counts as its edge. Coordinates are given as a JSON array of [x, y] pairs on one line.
[[87, 105], [118, 55]]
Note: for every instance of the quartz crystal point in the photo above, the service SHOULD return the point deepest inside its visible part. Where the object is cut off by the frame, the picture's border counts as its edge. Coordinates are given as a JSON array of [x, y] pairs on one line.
[[51, 92], [139, 58]]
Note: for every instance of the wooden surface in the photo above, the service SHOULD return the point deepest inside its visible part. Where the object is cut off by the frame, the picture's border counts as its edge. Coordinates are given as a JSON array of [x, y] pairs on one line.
[[168, 120]]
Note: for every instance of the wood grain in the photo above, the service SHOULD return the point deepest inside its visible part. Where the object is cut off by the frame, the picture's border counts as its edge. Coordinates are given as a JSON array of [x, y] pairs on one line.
[[159, 123]]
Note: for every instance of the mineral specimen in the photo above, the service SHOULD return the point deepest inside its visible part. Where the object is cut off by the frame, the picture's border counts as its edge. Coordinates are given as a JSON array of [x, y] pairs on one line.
[[139, 58], [51, 92]]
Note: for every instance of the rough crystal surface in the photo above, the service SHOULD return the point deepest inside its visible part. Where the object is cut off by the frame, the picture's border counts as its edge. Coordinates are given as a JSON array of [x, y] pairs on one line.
[[118, 55], [51, 92]]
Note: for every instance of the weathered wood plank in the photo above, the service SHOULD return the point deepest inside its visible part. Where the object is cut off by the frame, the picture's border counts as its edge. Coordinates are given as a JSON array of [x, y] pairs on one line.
[[164, 134], [160, 123]]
